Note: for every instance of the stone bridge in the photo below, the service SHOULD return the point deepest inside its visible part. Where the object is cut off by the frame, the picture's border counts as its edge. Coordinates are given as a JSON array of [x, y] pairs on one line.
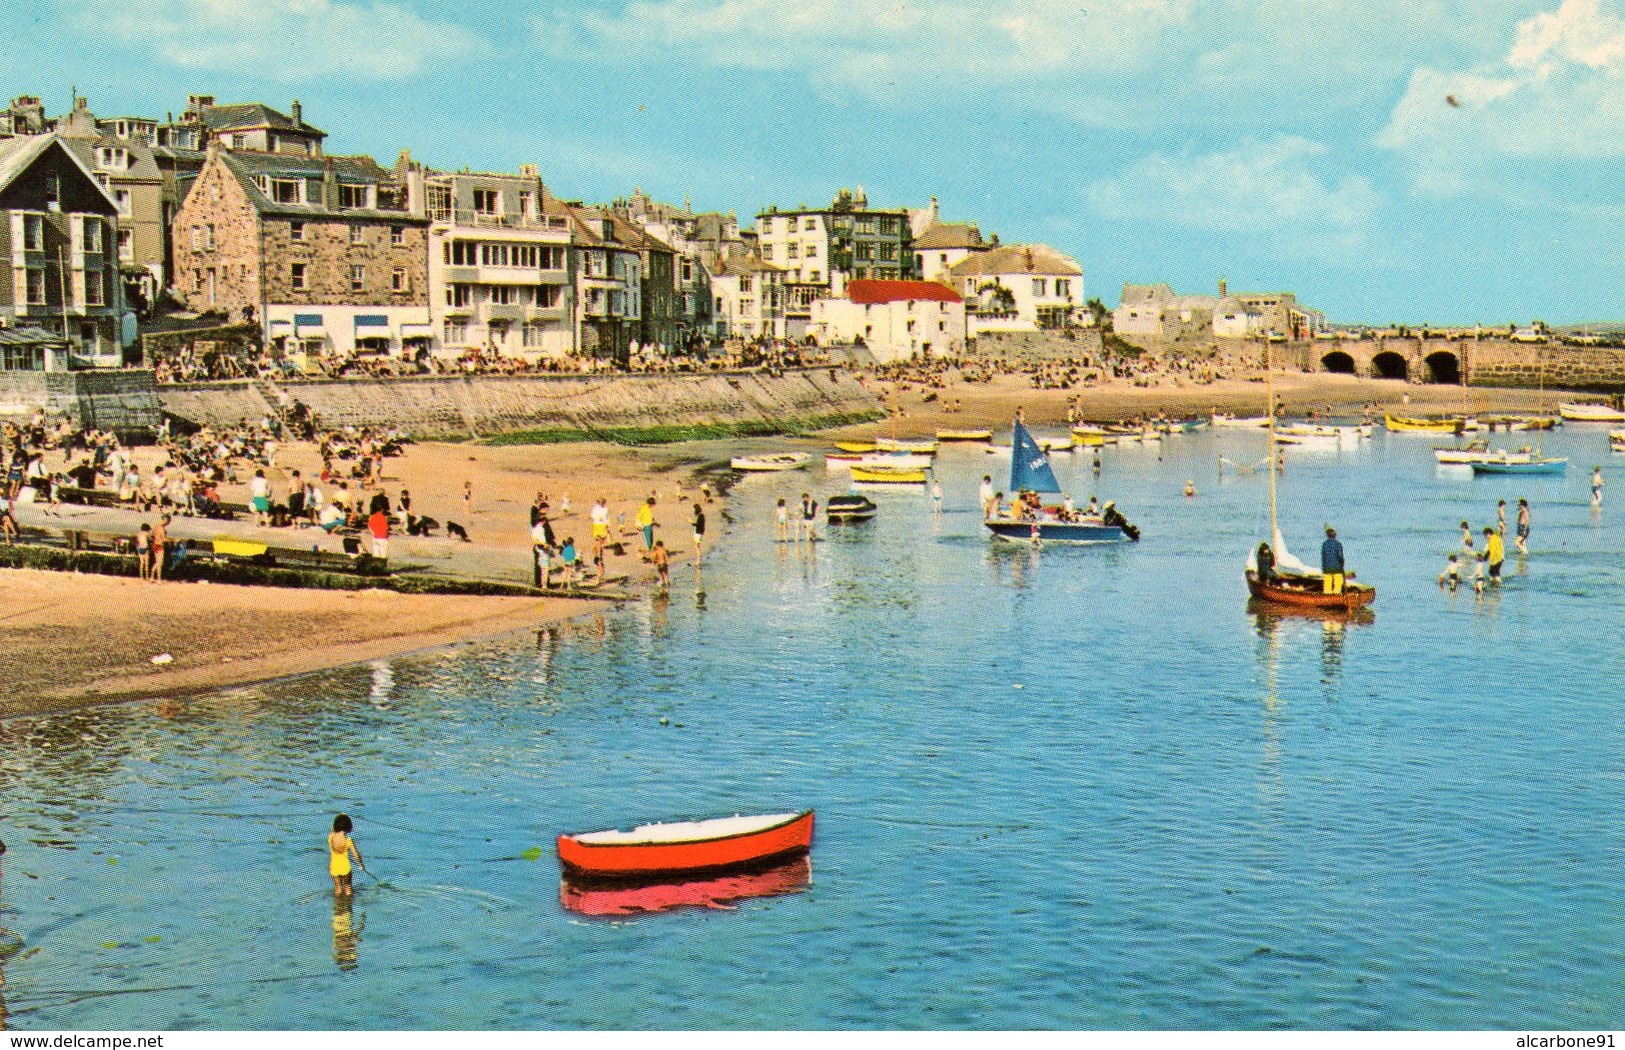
[[1482, 362]]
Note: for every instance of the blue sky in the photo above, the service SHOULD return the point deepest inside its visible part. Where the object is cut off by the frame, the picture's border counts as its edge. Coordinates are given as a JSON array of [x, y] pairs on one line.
[[1420, 161]]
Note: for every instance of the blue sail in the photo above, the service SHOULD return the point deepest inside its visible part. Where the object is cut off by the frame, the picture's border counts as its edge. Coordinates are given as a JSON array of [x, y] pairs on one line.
[[1029, 466]]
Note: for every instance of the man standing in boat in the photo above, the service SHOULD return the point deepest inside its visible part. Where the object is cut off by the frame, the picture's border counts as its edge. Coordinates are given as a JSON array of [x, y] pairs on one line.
[[1331, 563]]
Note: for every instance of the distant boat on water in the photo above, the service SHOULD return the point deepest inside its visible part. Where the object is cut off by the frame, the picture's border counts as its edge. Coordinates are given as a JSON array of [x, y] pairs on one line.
[[1579, 413], [1412, 425], [1030, 473]]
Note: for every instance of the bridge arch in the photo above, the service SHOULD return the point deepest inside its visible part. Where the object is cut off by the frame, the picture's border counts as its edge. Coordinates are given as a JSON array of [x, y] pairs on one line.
[[1338, 361], [1389, 365], [1443, 367]]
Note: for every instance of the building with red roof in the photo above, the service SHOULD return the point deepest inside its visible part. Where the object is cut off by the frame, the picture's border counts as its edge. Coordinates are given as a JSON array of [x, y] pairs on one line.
[[893, 320]]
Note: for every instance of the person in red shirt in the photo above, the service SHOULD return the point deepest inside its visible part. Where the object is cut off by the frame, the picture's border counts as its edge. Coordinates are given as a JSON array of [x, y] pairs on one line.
[[378, 525]]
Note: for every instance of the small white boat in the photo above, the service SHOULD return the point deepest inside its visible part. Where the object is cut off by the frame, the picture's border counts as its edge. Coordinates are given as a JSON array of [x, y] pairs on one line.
[[924, 446], [770, 461], [1241, 421], [1578, 413], [894, 460]]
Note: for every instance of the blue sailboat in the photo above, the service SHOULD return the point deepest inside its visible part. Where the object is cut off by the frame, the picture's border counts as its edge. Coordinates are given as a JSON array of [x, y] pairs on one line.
[[1029, 521]]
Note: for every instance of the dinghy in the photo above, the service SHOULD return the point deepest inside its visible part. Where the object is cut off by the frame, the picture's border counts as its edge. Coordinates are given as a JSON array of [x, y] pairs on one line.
[[687, 847]]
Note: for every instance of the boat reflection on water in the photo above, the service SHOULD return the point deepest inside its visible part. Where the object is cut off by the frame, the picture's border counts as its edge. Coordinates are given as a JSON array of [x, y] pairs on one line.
[[1276, 624], [621, 898]]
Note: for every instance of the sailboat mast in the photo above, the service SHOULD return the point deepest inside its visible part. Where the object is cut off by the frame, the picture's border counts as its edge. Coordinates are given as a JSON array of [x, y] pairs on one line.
[[1269, 395]]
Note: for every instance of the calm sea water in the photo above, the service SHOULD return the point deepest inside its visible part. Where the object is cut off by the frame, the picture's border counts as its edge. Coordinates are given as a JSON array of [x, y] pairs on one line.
[[1076, 788]]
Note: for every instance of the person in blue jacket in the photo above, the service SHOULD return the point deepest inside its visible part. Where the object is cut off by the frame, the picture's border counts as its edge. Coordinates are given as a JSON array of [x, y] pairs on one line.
[[1331, 563]]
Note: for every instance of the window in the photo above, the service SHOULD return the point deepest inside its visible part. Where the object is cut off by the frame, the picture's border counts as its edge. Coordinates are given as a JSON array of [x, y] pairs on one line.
[[596, 264], [36, 286], [239, 141], [792, 251], [208, 237], [865, 250], [814, 278], [500, 295], [888, 225], [288, 191], [809, 223], [747, 307], [525, 198], [398, 281], [439, 203], [548, 296], [456, 333], [888, 251], [688, 270], [487, 202], [354, 196], [358, 278], [95, 289], [553, 258], [744, 284], [358, 233], [122, 199], [460, 295], [112, 158], [296, 277], [767, 253], [1063, 289], [397, 235], [811, 250], [34, 233], [1040, 287], [126, 246], [53, 187], [93, 234], [462, 253], [296, 230]]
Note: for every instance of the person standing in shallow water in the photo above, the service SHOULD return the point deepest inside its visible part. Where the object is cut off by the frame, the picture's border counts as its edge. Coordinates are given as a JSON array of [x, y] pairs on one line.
[[1523, 527], [341, 849]]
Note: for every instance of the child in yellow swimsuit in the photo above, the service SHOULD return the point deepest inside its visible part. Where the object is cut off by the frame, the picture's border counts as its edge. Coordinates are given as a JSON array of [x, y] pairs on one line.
[[340, 848]]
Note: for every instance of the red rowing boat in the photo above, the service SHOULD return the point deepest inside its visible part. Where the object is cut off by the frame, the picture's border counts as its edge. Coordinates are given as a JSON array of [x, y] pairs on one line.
[[690, 846], [1308, 595]]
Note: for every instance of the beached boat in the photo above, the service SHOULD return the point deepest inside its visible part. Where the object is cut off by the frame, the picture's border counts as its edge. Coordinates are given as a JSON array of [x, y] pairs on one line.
[[238, 548], [964, 435], [771, 461], [619, 898], [895, 460], [1089, 437], [1030, 473], [687, 847], [1056, 444], [869, 475], [925, 446], [1578, 413], [1289, 582], [855, 446], [844, 460], [1240, 421], [1412, 425], [850, 508]]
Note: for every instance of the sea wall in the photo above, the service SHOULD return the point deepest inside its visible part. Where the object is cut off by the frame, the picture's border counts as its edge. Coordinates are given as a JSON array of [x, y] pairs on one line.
[[460, 407], [121, 400]]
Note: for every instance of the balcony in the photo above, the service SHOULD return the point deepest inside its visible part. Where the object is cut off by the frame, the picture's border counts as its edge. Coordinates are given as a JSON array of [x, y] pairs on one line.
[[501, 220]]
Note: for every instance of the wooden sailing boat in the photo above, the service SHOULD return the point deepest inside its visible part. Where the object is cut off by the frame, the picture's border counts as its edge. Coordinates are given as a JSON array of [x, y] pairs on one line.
[[1291, 583]]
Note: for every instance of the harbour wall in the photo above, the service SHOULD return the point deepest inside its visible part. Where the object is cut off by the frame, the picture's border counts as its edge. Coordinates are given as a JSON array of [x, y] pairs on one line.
[[124, 400], [462, 407]]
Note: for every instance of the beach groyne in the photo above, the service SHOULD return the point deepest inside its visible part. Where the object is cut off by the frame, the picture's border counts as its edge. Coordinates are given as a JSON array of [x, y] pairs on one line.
[[548, 406]]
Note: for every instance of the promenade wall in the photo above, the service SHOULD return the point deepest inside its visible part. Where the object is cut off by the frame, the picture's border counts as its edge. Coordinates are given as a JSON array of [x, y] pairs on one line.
[[461, 407], [121, 400]]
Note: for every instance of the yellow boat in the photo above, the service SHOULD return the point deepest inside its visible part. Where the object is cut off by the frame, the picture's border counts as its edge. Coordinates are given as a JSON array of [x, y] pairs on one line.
[[240, 548], [1089, 437], [964, 435], [1403, 424], [855, 446], [888, 477]]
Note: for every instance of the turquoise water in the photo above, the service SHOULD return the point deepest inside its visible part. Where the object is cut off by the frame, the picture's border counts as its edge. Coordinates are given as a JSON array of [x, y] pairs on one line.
[[1073, 788]]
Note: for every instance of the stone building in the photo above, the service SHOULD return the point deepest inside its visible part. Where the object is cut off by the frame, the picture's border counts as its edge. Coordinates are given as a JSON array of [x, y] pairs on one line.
[[58, 228], [321, 252], [121, 152], [1019, 287], [499, 261], [608, 271], [894, 320]]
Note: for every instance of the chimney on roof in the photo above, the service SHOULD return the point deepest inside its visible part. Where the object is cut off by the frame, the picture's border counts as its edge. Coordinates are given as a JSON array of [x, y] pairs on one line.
[[528, 171], [1221, 288], [933, 209], [1029, 253], [297, 113], [330, 185], [860, 200]]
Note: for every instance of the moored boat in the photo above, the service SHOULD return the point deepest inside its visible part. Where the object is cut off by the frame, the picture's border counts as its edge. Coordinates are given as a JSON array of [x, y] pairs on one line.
[[894, 460], [1240, 421], [1304, 592], [925, 446], [964, 435], [855, 446], [1461, 455], [850, 508], [1513, 463], [1583, 413], [1616, 440], [870, 475], [770, 461], [1030, 477], [686, 847], [1412, 425]]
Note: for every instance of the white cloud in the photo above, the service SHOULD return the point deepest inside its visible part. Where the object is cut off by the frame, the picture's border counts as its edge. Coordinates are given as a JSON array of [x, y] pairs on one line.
[[1558, 94], [284, 40], [880, 47], [1267, 190]]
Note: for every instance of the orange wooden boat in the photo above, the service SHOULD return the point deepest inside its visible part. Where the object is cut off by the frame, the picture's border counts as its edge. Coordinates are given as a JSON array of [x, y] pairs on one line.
[[655, 850], [1305, 593], [618, 898]]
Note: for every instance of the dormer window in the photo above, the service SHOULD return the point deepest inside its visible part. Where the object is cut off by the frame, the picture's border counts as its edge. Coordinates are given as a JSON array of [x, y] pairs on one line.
[[352, 197], [288, 191], [487, 202], [113, 158]]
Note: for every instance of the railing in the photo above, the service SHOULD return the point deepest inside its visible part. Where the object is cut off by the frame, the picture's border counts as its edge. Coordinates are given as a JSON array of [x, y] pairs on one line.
[[499, 220]]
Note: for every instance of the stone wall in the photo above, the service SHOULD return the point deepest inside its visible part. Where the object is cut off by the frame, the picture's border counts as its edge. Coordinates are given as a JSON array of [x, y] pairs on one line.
[[458, 407], [1502, 362], [124, 401]]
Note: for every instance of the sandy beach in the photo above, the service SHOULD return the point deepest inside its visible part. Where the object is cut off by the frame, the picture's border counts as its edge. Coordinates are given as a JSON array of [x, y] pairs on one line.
[[72, 639]]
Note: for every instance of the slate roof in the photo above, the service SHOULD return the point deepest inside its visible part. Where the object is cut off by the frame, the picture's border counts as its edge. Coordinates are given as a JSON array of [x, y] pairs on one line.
[[245, 115], [352, 171], [18, 154]]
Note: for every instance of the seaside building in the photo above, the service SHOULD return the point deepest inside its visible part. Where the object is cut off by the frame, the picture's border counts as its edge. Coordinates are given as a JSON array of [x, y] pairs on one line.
[[608, 283], [1019, 288], [25, 116], [58, 226], [320, 251], [251, 126], [940, 246], [1155, 311], [894, 320], [498, 262], [821, 249], [697, 241], [749, 299]]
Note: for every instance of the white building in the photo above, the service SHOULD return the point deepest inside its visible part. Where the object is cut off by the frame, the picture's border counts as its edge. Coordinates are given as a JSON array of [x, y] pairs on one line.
[[748, 298], [1020, 287], [894, 320]]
